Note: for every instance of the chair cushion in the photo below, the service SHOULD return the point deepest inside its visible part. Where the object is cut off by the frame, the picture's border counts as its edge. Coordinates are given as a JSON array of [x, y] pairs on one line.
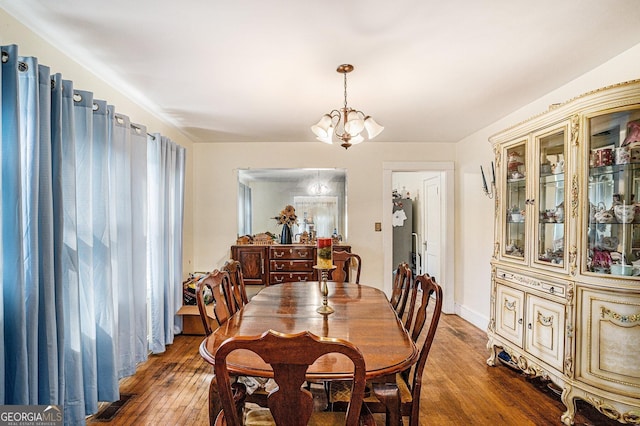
[[254, 384], [254, 415], [340, 391]]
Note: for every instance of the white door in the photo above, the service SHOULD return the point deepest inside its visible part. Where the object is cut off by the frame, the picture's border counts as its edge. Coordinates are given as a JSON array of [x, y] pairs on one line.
[[432, 226]]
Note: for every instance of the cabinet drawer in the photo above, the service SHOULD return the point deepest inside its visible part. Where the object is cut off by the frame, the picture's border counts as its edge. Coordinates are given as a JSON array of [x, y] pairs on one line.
[[556, 288], [291, 265], [291, 252], [284, 277]]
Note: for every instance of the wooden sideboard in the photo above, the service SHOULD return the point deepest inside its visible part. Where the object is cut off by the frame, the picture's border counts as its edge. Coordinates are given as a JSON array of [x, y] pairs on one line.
[[277, 263]]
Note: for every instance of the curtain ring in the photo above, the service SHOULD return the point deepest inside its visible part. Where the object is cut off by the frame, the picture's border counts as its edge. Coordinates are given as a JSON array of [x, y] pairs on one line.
[[96, 107], [77, 97], [22, 66], [5, 57]]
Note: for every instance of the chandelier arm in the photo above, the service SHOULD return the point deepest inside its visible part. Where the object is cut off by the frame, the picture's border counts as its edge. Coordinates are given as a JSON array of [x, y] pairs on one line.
[[336, 119]]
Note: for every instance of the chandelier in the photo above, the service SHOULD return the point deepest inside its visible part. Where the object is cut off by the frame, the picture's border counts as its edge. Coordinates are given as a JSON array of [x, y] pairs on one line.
[[346, 123]]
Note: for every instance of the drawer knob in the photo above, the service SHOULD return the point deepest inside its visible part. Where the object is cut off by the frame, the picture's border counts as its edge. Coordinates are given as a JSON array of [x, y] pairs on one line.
[[552, 290]]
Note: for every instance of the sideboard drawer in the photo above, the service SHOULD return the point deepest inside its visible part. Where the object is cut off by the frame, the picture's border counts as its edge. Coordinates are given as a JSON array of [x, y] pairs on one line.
[[291, 252], [291, 265], [277, 278]]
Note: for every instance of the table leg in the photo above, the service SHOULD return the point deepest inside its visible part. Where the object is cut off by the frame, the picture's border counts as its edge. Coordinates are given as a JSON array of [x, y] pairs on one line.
[[214, 401], [389, 395]]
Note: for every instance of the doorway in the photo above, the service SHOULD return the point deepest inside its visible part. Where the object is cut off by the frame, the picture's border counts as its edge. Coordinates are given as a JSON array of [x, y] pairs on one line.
[[433, 226]]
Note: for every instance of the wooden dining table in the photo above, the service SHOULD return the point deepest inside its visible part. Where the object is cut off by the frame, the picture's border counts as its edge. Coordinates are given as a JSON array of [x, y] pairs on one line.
[[362, 315]]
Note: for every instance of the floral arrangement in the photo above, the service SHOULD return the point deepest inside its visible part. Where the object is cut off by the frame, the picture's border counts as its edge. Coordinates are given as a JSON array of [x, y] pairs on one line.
[[287, 216]]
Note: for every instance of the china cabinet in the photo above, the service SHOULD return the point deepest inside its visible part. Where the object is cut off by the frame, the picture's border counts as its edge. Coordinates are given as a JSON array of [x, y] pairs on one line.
[[565, 293]]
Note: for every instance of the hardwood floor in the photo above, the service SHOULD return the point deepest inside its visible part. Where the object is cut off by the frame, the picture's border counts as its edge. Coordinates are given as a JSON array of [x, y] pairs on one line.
[[459, 387]]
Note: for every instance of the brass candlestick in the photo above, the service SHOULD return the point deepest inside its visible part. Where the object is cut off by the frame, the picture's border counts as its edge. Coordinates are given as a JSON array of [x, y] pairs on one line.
[[325, 309]]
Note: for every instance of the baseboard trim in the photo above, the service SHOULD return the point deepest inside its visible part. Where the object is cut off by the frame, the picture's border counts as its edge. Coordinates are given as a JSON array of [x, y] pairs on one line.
[[472, 317]]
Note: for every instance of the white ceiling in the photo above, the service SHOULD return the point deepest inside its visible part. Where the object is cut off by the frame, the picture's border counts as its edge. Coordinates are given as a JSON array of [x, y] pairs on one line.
[[258, 70]]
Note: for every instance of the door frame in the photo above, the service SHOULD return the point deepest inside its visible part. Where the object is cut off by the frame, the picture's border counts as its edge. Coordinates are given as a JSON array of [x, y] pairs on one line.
[[447, 250]]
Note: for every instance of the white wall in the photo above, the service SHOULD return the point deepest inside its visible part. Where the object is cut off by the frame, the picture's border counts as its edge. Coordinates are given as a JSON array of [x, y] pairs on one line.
[[474, 220], [215, 184], [30, 44]]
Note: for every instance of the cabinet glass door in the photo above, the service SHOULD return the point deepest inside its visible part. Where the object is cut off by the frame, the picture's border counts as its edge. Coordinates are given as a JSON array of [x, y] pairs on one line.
[[550, 246], [515, 200], [613, 227]]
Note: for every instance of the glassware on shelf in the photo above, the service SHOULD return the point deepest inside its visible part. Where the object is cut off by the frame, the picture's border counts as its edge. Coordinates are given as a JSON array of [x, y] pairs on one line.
[[613, 227], [550, 241]]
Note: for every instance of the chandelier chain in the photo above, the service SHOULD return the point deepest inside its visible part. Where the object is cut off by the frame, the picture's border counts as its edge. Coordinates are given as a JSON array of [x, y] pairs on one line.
[[345, 91]]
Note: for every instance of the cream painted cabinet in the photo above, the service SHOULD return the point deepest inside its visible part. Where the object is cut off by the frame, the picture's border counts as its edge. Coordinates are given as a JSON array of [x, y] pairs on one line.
[[534, 229], [532, 323], [510, 313], [608, 350], [529, 316], [545, 327], [565, 293]]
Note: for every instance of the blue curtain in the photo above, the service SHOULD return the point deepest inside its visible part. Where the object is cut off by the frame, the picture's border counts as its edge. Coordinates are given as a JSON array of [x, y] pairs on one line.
[[84, 263], [166, 159]]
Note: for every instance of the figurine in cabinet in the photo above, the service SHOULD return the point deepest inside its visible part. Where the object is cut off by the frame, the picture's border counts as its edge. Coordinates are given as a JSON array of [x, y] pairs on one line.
[[633, 134], [601, 261], [558, 167], [514, 160], [625, 213], [602, 215]]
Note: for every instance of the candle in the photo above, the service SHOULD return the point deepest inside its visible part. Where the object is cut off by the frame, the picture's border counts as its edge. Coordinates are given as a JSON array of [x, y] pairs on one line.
[[493, 174], [484, 181], [324, 258]]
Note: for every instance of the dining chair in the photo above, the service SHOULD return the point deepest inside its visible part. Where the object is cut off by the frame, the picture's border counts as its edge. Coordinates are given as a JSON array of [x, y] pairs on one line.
[[217, 283], [238, 290], [290, 404], [343, 260], [401, 288], [401, 396]]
